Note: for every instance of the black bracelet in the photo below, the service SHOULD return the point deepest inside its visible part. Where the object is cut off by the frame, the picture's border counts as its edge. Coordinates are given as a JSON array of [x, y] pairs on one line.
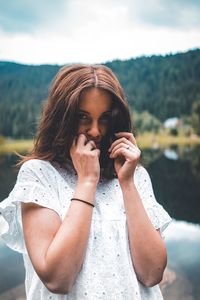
[[83, 201]]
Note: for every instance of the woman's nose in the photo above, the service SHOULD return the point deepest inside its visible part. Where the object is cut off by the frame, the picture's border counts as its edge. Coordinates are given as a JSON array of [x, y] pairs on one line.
[[94, 130]]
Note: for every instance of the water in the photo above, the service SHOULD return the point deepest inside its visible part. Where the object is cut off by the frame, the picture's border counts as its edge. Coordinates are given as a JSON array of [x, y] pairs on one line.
[[12, 268], [183, 244], [175, 175]]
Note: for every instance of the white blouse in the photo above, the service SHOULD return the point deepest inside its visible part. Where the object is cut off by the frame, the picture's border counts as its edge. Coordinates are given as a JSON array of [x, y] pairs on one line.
[[107, 272]]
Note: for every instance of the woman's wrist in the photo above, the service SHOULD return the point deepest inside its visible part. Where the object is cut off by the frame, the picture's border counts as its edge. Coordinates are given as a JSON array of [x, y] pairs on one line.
[[88, 181], [126, 183], [85, 189], [83, 201]]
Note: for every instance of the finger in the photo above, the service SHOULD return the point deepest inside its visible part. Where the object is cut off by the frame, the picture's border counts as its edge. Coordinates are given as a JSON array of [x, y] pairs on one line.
[[97, 152], [120, 140], [90, 145], [131, 150], [119, 152], [126, 145], [127, 135], [130, 155], [81, 140]]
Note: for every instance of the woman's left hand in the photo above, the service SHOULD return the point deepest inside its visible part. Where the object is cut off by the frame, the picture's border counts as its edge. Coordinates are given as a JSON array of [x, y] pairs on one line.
[[126, 155]]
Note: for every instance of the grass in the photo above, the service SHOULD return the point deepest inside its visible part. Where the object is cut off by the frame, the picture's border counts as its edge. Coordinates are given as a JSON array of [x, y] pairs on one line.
[[11, 146], [146, 140], [149, 140]]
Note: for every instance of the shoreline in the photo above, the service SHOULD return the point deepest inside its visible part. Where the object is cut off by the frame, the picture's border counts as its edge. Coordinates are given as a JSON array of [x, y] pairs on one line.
[[146, 140]]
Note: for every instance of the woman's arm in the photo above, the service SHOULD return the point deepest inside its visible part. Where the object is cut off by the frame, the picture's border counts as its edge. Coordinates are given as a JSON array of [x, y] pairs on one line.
[[56, 248], [147, 248]]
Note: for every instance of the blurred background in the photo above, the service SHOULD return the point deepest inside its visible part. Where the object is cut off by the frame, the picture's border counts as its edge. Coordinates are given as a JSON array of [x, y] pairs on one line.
[[154, 49]]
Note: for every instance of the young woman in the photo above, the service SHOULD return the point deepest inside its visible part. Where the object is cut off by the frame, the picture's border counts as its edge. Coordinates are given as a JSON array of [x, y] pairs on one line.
[[83, 212]]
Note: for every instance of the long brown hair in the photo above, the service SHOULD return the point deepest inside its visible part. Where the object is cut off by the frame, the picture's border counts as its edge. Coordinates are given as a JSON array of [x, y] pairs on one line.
[[58, 124]]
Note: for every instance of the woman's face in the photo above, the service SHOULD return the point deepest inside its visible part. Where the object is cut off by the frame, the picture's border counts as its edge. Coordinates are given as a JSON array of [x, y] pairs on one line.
[[94, 114]]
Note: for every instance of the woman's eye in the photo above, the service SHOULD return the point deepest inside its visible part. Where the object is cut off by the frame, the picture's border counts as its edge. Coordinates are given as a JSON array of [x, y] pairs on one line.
[[105, 118], [82, 116]]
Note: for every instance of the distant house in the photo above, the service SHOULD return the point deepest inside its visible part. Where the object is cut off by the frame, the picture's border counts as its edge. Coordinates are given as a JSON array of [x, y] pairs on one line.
[[171, 123]]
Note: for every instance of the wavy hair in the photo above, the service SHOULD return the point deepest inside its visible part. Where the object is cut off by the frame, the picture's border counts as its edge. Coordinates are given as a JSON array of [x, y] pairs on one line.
[[59, 124]]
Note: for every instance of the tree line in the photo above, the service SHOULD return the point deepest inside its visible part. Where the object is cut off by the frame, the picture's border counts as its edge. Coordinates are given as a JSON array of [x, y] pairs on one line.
[[156, 87]]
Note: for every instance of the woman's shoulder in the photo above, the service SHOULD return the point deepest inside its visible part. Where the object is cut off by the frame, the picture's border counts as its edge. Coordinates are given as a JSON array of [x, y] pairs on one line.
[[35, 166], [35, 163]]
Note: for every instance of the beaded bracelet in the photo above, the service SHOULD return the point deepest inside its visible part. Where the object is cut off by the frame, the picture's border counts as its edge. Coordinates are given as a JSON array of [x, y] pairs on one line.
[[83, 201]]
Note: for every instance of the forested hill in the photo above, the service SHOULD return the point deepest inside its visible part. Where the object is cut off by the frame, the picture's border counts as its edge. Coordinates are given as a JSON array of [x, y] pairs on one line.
[[166, 86]]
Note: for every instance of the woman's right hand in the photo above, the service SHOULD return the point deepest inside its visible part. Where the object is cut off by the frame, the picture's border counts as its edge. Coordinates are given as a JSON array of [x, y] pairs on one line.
[[85, 158]]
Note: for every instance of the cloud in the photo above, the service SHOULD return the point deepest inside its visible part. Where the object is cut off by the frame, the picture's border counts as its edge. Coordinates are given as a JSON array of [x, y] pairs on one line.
[[171, 13], [28, 15], [91, 31], [69, 15]]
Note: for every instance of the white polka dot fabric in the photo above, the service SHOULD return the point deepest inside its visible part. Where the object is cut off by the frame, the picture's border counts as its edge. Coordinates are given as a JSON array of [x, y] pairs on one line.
[[107, 272]]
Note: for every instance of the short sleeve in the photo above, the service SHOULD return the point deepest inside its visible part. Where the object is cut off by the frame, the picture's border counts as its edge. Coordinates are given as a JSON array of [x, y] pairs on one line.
[[156, 213], [36, 183]]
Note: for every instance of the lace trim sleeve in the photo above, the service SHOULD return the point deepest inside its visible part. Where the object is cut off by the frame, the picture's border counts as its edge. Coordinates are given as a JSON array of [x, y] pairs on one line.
[[35, 182]]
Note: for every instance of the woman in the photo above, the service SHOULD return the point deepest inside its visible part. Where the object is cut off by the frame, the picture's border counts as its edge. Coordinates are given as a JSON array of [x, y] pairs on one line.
[[83, 212]]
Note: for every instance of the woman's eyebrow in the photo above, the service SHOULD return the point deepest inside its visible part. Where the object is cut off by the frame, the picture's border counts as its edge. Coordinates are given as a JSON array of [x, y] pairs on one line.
[[107, 112], [86, 112]]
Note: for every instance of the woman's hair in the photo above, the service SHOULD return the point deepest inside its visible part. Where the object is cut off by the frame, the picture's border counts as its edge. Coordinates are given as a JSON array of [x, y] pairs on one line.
[[59, 122]]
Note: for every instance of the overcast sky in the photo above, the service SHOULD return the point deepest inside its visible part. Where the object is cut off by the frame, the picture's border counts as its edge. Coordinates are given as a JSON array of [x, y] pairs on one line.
[[96, 31]]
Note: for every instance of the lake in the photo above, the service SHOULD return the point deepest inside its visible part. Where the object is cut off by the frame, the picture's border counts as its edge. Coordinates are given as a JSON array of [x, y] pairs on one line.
[[175, 174]]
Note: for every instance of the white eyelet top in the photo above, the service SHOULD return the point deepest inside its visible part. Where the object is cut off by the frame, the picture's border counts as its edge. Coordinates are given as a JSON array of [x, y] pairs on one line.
[[107, 272]]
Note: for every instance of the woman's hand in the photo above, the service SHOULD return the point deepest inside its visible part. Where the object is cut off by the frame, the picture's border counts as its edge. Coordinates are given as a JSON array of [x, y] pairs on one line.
[[85, 158], [126, 155]]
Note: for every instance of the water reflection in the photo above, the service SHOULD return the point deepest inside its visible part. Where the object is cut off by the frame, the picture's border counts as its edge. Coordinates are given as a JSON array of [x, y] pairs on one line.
[[183, 244], [12, 268], [176, 181], [171, 154], [8, 174]]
